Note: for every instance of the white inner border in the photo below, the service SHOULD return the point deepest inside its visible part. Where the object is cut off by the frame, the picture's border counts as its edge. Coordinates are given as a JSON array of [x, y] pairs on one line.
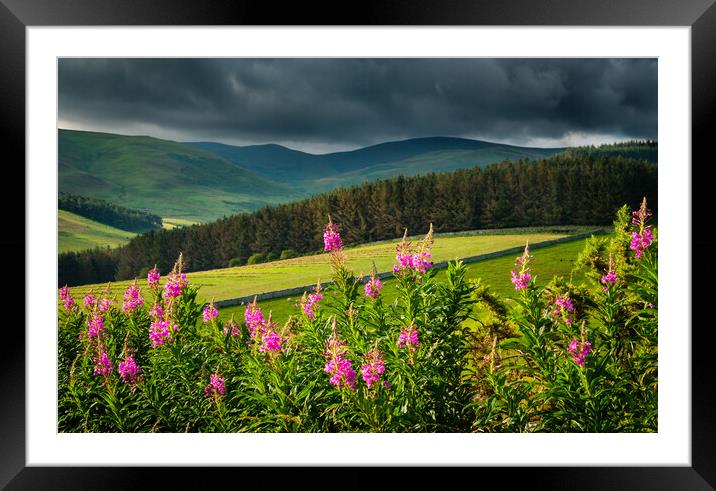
[[670, 446]]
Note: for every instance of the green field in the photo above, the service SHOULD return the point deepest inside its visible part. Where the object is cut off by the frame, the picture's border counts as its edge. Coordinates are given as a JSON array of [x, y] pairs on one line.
[[171, 222], [555, 260], [242, 281], [76, 233]]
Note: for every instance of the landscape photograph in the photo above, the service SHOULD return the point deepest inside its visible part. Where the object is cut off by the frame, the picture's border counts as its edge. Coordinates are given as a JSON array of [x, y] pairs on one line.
[[357, 245]]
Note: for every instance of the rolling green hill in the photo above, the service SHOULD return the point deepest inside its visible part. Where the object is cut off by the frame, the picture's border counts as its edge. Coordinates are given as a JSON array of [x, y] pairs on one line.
[[200, 182], [407, 157], [76, 233], [163, 177]]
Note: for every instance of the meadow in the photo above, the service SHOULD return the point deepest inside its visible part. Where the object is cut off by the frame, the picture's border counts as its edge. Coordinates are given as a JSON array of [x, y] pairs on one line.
[[226, 283], [76, 233]]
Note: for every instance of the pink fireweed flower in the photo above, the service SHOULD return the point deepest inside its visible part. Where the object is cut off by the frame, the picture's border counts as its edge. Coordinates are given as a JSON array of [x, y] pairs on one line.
[[409, 337], [254, 319], [66, 297], [373, 287], [610, 277], [232, 326], [642, 239], [579, 351], [104, 305], [374, 367], [156, 312], [95, 326], [103, 365], [331, 238], [69, 303], [337, 365], [132, 299], [216, 386], [640, 242], [174, 285], [64, 292], [89, 300], [521, 279], [130, 371], [309, 302], [270, 341], [210, 312], [160, 332], [563, 306], [153, 277], [414, 258]]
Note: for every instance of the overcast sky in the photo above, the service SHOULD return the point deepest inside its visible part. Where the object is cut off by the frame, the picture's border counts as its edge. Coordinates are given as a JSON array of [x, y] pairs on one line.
[[322, 104]]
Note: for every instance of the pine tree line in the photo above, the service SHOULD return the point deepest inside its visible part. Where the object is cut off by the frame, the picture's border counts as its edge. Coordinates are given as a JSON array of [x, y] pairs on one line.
[[559, 190]]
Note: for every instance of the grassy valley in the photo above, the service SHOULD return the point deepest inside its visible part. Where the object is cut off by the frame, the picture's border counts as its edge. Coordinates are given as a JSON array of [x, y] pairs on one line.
[[76, 233]]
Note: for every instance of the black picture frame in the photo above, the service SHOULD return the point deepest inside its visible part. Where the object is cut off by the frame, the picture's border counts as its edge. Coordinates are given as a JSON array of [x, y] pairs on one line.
[[700, 15]]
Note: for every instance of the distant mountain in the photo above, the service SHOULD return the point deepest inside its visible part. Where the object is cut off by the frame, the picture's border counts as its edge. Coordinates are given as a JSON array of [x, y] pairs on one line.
[[202, 181], [167, 178], [390, 159]]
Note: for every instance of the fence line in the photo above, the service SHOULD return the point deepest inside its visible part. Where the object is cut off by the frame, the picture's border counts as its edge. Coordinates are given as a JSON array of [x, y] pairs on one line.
[[441, 265]]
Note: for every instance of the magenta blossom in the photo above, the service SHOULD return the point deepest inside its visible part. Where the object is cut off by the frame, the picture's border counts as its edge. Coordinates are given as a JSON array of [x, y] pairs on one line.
[[522, 277], [331, 238], [270, 341], [175, 285], [338, 366], [210, 313], [160, 332], [374, 367], [156, 312], [640, 242], [103, 365], [254, 319], [610, 277], [580, 351], [232, 326], [414, 258], [132, 299], [409, 337], [95, 326], [153, 277], [216, 386], [373, 287], [130, 371], [104, 305], [89, 300], [66, 297]]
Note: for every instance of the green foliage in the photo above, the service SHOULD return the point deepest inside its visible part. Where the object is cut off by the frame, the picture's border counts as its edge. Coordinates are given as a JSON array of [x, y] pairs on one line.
[[514, 371], [256, 258], [288, 254], [236, 261]]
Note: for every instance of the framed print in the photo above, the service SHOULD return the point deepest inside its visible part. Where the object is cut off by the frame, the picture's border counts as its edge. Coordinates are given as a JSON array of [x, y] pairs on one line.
[[104, 72]]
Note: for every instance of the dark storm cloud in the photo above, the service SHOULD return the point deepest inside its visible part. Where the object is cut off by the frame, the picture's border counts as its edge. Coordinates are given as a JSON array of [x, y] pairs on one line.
[[354, 102]]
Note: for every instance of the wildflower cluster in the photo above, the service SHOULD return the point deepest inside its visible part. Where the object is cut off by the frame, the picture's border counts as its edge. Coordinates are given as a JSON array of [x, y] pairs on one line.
[[522, 277], [254, 319], [414, 258], [331, 238], [130, 372], [270, 338], [103, 365], [216, 386], [210, 312], [579, 350], [338, 366], [161, 331], [563, 305], [66, 297], [373, 368], [176, 281], [373, 286], [409, 337], [309, 302], [153, 277], [95, 326], [642, 239], [132, 299]]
